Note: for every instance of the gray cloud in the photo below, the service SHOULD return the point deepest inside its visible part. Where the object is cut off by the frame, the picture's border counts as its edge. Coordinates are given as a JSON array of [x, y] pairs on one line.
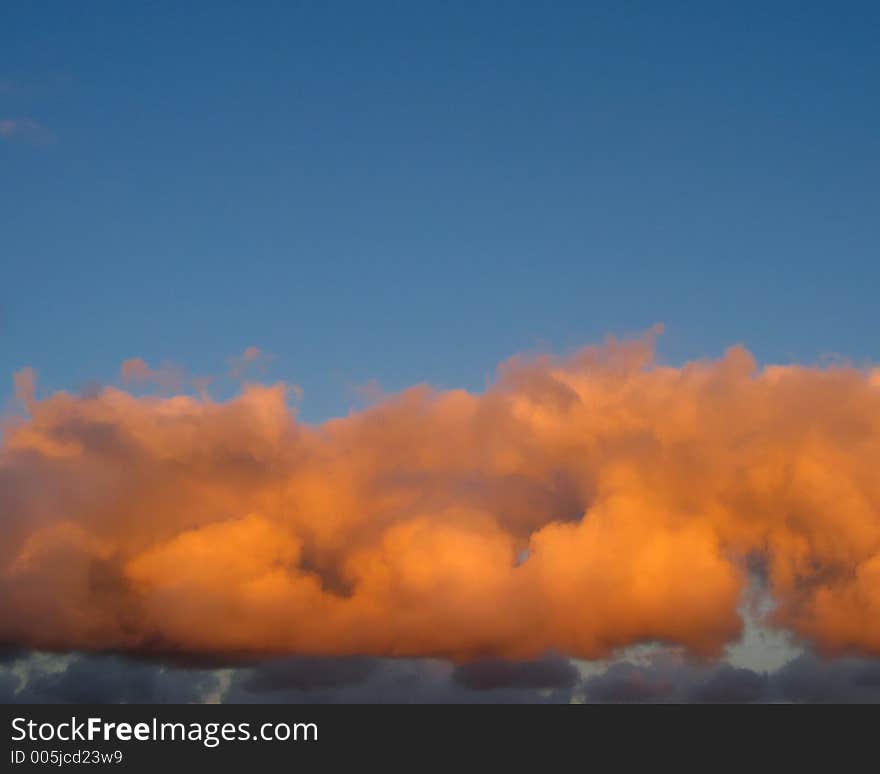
[[489, 674], [106, 679], [307, 674], [805, 679], [842, 681], [9, 653], [417, 681], [729, 685], [8, 687], [666, 677]]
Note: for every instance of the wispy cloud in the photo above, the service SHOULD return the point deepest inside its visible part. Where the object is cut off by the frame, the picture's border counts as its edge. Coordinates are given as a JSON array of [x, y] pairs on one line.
[[29, 83], [25, 130]]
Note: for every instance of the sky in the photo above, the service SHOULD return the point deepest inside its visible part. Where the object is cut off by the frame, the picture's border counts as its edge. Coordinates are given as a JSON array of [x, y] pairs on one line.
[[350, 199], [408, 192]]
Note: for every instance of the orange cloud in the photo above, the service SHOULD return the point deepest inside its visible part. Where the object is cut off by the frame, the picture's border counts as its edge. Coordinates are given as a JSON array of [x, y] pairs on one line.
[[251, 358], [580, 504], [136, 371]]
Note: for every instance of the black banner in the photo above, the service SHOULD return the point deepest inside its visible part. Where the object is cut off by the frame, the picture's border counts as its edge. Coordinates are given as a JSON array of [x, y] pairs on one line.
[[281, 737]]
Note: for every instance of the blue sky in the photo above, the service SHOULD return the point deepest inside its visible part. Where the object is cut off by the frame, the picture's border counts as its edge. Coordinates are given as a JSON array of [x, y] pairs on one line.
[[413, 191]]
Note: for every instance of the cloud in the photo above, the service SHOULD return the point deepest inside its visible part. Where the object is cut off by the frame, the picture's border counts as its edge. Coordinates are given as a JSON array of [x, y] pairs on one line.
[[307, 674], [489, 674], [25, 382], [105, 679], [9, 654], [18, 84], [136, 371], [670, 677], [382, 680], [252, 359], [666, 676], [731, 685], [809, 679], [26, 130], [578, 506], [8, 687]]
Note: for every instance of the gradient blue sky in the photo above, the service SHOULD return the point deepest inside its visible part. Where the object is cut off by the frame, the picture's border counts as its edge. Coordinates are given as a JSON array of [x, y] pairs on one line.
[[414, 191]]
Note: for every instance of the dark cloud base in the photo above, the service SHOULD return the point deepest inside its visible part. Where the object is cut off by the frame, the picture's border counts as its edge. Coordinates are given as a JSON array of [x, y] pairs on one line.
[[667, 677]]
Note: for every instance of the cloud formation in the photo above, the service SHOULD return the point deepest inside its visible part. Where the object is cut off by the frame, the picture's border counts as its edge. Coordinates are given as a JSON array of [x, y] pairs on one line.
[[104, 679], [579, 505], [664, 676], [25, 129], [135, 371], [669, 677], [347, 680]]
